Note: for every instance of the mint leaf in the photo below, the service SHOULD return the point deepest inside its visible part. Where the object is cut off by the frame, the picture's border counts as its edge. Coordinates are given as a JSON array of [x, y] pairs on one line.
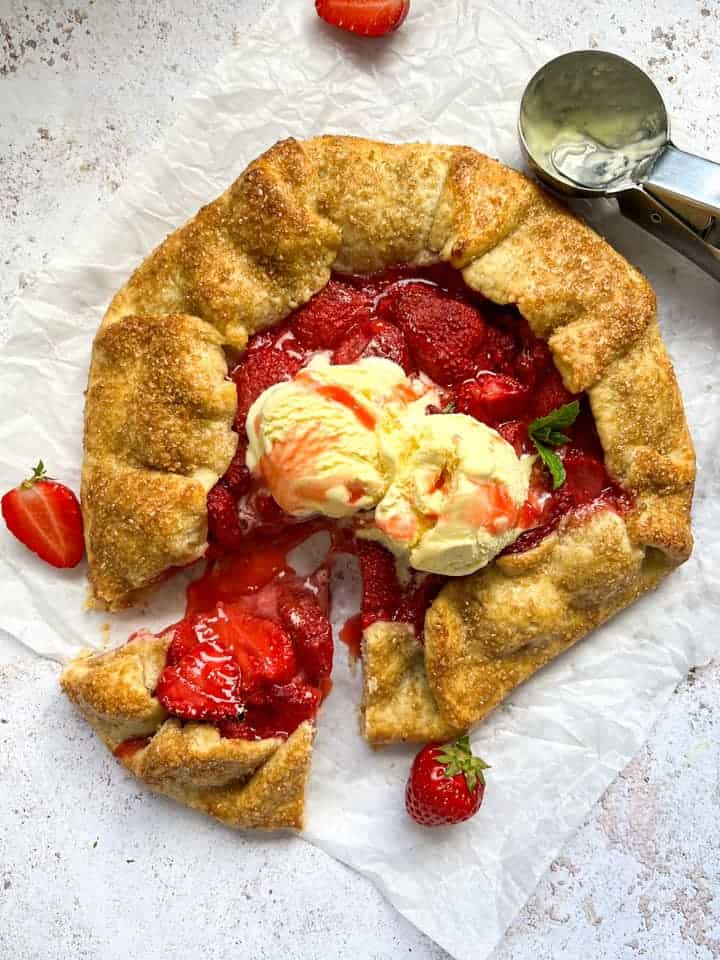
[[546, 433], [556, 420], [553, 462]]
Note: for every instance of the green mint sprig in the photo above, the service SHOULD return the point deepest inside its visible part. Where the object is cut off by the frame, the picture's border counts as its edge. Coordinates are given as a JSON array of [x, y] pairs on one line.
[[546, 433]]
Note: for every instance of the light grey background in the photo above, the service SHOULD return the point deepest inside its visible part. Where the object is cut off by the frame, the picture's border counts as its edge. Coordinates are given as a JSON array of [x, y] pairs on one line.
[[84, 89]]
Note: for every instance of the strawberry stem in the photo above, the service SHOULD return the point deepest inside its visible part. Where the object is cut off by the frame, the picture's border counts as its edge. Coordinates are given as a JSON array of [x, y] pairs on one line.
[[37, 474], [457, 757]]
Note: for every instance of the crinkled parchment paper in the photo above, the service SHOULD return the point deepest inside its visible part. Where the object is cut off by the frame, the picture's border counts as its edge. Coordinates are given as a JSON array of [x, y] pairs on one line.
[[454, 73]]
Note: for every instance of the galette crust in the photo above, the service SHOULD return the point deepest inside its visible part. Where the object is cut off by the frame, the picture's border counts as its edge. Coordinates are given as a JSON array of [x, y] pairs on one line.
[[398, 703], [265, 247], [244, 783], [158, 419]]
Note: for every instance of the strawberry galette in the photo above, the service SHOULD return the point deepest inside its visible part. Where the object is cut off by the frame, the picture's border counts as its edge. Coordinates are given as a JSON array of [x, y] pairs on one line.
[[416, 352]]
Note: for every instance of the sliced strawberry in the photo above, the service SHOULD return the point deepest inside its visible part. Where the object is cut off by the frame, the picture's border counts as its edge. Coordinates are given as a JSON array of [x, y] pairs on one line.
[[223, 522], [369, 18], [497, 352], [583, 433], [326, 320], [532, 362], [493, 398], [237, 477], [551, 394], [202, 685], [305, 623], [45, 516], [375, 339], [381, 590], [216, 660], [262, 367], [276, 712], [269, 510], [516, 434], [443, 333], [586, 477], [184, 638], [416, 599], [260, 647]]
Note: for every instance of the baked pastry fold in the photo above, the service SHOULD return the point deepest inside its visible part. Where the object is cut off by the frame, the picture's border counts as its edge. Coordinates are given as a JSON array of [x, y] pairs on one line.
[[244, 783]]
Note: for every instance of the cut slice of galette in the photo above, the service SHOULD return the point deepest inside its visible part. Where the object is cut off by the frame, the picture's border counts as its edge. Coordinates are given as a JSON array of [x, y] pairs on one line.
[[414, 349]]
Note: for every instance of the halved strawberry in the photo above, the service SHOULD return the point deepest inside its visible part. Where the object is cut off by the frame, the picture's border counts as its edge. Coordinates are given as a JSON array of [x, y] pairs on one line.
[[276, 712], [516, 434], [325, 321], [262, 367], [184, 638], [45, 516], [369, 18], [304, 621], [237, 477], [223, 522], [493, 398], [532, 362], [416, 600], [497, 352], [380, 590], [375, 339], [443, 333], [551, 394], [260, 647], [586, 477], [202, 685]]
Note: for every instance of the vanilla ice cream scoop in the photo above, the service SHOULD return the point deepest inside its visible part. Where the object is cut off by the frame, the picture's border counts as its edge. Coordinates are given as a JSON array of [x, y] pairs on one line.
[[446, 489], [314, 438], [455, 496]]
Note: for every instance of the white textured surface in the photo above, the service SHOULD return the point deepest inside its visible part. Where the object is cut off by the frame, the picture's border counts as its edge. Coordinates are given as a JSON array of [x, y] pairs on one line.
[[637, 880]]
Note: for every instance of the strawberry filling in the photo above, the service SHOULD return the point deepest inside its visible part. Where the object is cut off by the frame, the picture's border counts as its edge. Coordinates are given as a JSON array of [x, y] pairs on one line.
[[254, 651], [258, 661]]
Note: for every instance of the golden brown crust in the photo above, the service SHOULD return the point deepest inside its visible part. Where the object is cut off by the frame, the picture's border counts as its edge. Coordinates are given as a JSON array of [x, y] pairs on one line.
[[397, 701], [114, 690], [575, 291], [489, 632], [158, 434], [244, 783], [245, 260], [269, 242], [382, 197]]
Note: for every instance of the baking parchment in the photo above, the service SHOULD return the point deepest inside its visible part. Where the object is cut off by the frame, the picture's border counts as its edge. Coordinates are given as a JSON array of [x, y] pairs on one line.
[[454, 73]]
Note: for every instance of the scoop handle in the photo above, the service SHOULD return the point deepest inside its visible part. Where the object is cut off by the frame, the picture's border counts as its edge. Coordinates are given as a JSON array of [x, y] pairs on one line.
[[688, 228], [688, 184]]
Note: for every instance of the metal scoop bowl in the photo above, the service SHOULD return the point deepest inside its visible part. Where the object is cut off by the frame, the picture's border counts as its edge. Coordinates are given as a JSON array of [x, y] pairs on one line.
[[592, 124]]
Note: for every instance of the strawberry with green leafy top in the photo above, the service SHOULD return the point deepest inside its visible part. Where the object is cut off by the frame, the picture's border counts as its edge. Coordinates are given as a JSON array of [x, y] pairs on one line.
[[45, 516], [446, 784]]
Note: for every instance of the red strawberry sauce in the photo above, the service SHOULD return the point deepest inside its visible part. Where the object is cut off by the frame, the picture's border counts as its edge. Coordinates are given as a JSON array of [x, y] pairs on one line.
[[256, 681]]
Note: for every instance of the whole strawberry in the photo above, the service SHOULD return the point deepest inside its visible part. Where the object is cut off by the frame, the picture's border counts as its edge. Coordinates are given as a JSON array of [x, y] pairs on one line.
[[45, 516], [446, 784]]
